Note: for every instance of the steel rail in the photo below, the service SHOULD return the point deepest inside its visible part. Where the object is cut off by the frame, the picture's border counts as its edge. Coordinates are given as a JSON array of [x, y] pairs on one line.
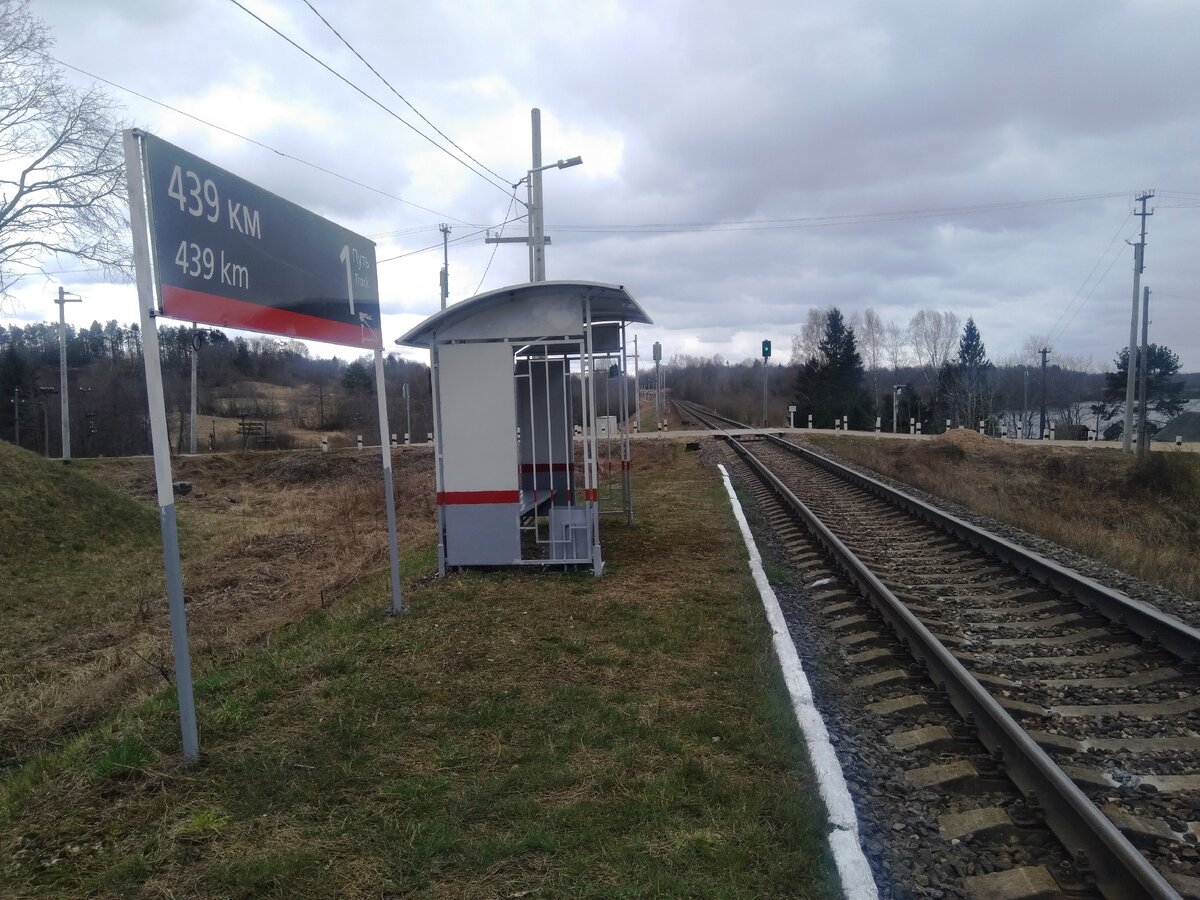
[[1097, 845], [1168, 632]]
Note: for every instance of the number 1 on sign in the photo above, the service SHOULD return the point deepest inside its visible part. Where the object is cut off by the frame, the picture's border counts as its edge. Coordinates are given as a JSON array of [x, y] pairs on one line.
[[344, 256]]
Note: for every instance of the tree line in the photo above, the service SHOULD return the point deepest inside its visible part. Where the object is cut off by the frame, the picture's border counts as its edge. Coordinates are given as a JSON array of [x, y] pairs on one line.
[[106, 377], [934, 370]]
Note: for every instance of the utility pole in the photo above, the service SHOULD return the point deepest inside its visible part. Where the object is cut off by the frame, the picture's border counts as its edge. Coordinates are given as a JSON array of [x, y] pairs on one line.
[[16, 402], [896, 389], [537, 225], [536, 240], [46, 392], [1025, 407], [445, 276], [658, 385], [637, 397], [1139, 259], [1042, 420], [1143, 448], [62, 302], [408, 435]]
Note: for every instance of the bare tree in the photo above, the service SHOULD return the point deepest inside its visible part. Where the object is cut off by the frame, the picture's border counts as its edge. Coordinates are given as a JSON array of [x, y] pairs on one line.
[[871, 342], [806, 343], [895, 345], [931, 336], [62, 173]]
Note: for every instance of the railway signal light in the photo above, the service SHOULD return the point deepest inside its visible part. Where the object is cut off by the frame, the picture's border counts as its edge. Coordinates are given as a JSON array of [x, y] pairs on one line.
[[766, 350]]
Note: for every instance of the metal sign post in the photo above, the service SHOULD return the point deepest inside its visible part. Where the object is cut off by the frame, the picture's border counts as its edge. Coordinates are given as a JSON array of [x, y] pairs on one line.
[[214, 248], [139, 222], [388, 492]]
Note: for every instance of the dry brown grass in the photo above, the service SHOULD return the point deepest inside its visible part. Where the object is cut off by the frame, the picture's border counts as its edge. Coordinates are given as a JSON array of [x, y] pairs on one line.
[[266, 540], [517, 734], [1143, 519]]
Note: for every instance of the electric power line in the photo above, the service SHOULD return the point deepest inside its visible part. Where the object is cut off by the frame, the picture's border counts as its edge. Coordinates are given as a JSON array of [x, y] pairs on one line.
[[457, 240], [827, 221], [1067, 324], [251, 140], [1099, 260], [496, 246], [328, 68], [389, 86]]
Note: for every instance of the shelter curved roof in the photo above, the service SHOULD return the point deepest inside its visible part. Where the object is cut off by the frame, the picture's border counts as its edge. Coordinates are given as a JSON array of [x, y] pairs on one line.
[[609, 303]]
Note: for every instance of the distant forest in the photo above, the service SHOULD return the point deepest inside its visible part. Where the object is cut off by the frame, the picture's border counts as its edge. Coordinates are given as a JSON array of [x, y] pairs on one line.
[[932, 371], [108, 392]]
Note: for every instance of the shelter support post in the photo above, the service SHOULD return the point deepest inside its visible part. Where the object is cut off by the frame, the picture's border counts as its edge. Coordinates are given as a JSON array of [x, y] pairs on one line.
[[626, 455]]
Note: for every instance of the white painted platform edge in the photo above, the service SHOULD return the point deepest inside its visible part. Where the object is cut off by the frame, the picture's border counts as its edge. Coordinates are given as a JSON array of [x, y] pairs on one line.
[[852, 866]]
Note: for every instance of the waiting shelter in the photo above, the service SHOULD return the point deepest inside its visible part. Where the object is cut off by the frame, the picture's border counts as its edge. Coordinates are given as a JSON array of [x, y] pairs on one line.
[[514, 381]]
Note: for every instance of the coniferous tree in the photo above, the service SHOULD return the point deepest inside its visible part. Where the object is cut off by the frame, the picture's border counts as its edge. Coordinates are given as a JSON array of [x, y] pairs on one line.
[[829, 385], [1164, 392], [972, 370]]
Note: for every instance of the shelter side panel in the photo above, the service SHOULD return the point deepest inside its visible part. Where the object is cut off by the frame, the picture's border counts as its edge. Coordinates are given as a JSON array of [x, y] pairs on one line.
[[479, 417], [480, 487]]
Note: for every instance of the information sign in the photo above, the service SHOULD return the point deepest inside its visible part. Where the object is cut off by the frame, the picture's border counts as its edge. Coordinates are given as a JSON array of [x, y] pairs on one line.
[[228, 253]]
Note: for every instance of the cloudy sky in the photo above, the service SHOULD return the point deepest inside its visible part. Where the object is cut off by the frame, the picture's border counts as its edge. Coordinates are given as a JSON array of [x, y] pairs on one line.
[[742, 161]]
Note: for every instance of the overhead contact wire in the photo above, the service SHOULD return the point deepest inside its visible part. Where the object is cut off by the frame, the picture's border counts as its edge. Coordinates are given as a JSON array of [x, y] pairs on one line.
[[332, 71], [389, 86], [250, 140]]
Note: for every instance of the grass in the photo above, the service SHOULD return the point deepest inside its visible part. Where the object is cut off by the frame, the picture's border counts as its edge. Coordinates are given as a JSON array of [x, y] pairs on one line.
[[266, 539], [516, 734], [1142, 518]]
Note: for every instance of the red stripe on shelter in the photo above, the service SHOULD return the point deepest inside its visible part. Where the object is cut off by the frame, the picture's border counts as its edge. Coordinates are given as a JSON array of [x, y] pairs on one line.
[[469, 498], [195, 306]]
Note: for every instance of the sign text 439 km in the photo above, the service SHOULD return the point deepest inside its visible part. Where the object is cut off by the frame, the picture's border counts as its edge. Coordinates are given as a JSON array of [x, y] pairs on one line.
[[228, 253]]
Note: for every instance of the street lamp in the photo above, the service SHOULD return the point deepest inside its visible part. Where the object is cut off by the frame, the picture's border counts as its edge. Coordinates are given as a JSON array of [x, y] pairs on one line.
[[537, 224]]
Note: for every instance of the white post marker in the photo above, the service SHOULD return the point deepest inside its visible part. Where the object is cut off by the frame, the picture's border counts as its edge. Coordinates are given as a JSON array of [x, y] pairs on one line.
[[388, 492], [161, 442], [878, 422], [324, 445], [810, 421], [918, 429], [360, 442], [844, 843]]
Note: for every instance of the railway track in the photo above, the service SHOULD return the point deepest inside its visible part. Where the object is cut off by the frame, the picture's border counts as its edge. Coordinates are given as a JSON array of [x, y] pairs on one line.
[[1087, 702]]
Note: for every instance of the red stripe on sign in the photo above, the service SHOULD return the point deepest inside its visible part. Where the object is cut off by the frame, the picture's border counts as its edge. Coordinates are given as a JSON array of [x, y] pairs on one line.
[[471, 498], [592, 494], [546, 467], [195, 306]]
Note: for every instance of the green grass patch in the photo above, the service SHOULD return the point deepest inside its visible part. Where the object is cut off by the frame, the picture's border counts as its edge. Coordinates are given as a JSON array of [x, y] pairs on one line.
[[516, 732]]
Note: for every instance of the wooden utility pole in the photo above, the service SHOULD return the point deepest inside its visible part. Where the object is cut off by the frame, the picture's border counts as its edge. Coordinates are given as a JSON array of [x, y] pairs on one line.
[[1143, 447], [1139, 258]]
